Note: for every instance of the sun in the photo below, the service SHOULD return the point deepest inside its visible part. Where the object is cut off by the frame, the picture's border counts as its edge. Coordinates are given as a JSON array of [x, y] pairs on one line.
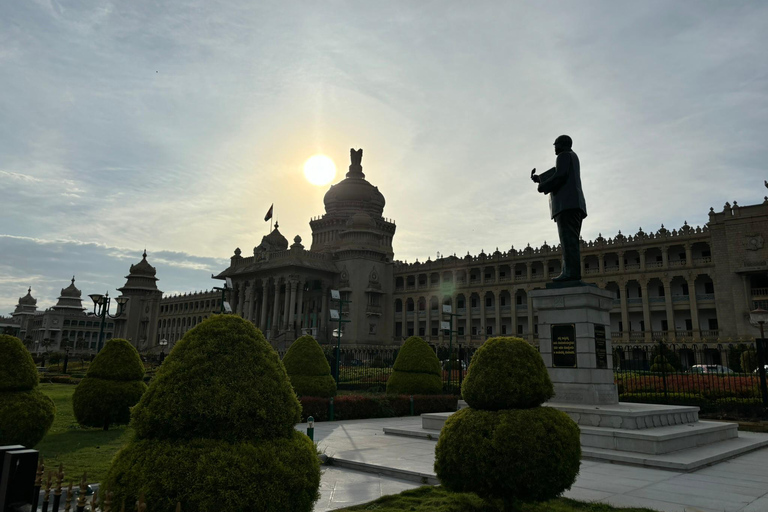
[[319, 170]]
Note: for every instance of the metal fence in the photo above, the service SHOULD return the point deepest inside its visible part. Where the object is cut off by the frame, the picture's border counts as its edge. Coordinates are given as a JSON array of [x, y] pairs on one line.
[[691, 375]]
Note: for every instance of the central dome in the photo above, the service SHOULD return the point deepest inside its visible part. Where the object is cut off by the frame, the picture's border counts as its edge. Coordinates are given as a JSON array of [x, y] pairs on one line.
[[354, 193]]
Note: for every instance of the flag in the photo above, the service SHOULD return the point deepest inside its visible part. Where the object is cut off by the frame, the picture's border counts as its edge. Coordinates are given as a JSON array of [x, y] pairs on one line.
[[269, 213]]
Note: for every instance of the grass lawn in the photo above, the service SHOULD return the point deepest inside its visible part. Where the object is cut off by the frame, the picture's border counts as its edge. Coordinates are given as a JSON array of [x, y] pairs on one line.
[[437, 499], [79, 449]]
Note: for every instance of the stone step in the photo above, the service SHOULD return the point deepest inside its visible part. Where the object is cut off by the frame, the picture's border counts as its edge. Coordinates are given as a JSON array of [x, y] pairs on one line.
[[656, 441]]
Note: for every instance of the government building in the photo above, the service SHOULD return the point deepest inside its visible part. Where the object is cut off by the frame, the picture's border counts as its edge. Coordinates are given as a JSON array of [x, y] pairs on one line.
[[692, 286]]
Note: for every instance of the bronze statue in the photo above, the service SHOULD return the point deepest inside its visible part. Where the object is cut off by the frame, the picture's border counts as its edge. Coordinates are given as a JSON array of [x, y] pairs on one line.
[[566, 205]]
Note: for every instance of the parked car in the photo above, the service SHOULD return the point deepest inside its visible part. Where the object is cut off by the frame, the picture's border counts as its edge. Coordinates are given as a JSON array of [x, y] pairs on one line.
[[757, 370], [710, 368]]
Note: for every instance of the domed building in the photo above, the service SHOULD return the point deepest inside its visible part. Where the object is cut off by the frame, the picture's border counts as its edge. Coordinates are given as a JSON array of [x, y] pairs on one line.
[[285, 290]]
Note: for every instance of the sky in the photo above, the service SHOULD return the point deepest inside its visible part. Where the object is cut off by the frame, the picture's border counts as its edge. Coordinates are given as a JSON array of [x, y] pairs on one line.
[[173, 126]]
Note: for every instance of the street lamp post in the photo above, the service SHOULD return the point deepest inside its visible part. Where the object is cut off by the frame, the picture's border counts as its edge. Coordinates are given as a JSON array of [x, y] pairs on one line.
[[225, 307], [448, 326], [101, 309], [758, 318], [336, 315], [163, 343]]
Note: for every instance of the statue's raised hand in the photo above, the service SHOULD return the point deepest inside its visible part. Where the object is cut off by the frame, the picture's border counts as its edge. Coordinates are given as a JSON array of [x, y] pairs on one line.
[[534, 178]]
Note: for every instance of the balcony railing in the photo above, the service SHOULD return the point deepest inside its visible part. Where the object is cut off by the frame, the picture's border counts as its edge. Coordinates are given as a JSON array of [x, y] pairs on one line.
[[371, 309], [632, 266], [677, 263], [656, 336], [611, 268], [410, 287], [635, 300], [680, 298], [705, 296], [657, 299], [760, 292], [592, 270], [504, 279], [703, 261], [521, 278], [654, 264]]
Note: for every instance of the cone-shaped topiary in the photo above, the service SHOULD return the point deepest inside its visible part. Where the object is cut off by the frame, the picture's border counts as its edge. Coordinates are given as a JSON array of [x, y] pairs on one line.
[[113, 384], [416, 370], [506, 373], [308, 369], [215, 429], [513, 450], [26, 413]]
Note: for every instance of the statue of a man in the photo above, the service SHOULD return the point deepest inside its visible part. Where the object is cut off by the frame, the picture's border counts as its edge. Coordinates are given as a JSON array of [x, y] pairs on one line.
[[566, 204]]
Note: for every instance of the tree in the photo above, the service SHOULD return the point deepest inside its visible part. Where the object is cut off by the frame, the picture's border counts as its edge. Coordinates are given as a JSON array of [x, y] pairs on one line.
[[308, 369], [416, 370]]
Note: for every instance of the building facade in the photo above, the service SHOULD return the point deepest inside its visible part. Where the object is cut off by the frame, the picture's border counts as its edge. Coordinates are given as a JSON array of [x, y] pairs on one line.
[[689, 285]]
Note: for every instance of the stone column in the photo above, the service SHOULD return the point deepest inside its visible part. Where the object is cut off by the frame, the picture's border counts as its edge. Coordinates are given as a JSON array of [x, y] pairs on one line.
[[291, 315], [254, 296], [513, 310], [530, 317], [646, 310], [404, 313], [323, 315], [624, 312], [601, 262], [670, 309], [688, 255], [642, 259], [546, 270], [497, 303], [621, 261], [665, 256], [482, 312], [528, 270], [264, 301], [691, 280], [300, 306], [276, 306], [286, 304], [428, 327], [468, 309]]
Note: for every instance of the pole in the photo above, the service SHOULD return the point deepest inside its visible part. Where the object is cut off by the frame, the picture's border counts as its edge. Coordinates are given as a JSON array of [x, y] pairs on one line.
[[223, 298], [104, 309], [761, 365], [450, 352]]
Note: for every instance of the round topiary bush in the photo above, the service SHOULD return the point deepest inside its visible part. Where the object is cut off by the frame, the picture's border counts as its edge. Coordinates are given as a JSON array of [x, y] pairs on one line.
[[215, 429], [505, 445], [112, 385], [416, 370], [26, 413], [661, 364], [506, 373], [308, 369]]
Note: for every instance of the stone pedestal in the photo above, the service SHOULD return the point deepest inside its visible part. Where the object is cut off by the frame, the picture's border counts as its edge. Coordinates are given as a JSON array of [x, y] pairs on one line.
[[574, 341]]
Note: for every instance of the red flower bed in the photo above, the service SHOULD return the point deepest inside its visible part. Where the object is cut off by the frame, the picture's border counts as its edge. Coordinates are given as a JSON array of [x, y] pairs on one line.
[[711, 387]]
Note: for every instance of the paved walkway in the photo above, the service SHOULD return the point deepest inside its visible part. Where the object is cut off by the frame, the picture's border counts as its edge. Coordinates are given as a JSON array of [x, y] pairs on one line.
[[737, 485]]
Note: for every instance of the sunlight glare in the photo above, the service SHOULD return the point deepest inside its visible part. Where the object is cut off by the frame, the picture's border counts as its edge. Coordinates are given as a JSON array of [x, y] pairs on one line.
[[319, 170]]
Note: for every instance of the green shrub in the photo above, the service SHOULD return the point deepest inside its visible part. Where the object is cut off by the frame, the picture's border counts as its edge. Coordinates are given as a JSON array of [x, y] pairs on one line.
[[215, 429], [506, 373], [97, 399], [18, 371], [308, 369], [749, 360], [505, 445], [515, 454], [112, 385], [26, 414], [662, 365], [25, 417], [416, 370], [406, 383], [221, 381], [354, 407], [208, 474]]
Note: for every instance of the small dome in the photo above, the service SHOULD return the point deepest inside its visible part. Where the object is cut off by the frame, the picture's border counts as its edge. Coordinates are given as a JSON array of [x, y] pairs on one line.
[[71, 290], [28, 300], [143, 268], [276, 239], [354, 192]]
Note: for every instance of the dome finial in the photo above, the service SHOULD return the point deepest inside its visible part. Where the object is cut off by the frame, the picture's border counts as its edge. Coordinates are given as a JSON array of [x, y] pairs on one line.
[[144, 256], [355, 166], [277, 225], [73, 279]]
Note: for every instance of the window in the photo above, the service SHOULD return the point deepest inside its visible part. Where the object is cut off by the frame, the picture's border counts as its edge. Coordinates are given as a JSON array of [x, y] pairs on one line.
[[460, 303], [621, 326], [706, 254], [709, 288], [421, 331], [664, 325], [503, 328], [434, 331], [474, 302], [688, 324], [551, 269], [519, 299], [659, 258], [487, 276], [685, 289], [488, 302], [474, 330], [489, 330], [519, 328], [503, 300], [502, 273], [461, 330], [661, 291], [712, 324]]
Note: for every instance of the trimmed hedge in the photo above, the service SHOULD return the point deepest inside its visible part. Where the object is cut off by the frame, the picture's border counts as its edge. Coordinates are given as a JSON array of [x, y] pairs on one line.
[[505, 445], [112, 385], [416, 370], [97, 399], [308, 369], [221, 381], [208, 474], [18, 371], [215, 429], [354, 407], [523, 454], [506, 373], [25, 417], [26, 413]]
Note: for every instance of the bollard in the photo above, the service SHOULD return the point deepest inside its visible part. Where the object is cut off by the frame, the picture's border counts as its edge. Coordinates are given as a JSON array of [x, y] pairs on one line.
[[330, 410], [413, 412], [17, 481], [311, 428]]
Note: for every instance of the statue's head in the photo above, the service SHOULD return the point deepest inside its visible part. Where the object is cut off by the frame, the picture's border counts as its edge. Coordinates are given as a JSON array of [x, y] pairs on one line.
[[563, 143]]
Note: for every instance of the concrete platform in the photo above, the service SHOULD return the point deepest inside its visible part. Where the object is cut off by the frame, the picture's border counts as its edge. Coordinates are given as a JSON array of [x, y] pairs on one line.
[[683, 446]]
